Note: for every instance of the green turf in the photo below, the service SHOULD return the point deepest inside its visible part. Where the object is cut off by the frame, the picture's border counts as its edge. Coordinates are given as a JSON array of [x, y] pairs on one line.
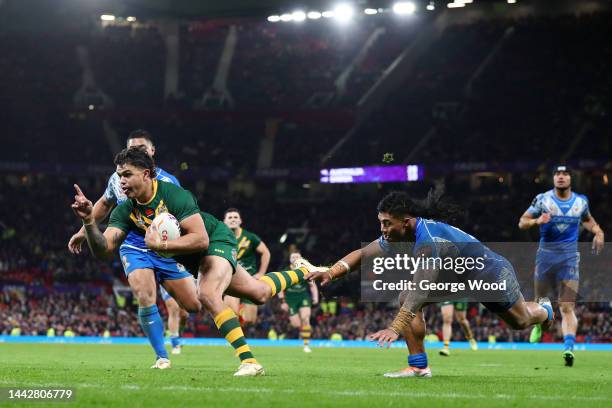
[[119, 376]]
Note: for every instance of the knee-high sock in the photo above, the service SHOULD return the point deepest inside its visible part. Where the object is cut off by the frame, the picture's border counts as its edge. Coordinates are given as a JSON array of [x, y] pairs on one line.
[[305, 332], [153, 326], [279, 281], [228, 325]]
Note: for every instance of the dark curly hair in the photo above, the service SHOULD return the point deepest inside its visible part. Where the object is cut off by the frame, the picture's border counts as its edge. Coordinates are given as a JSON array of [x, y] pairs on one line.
[[399, 203], [137, 158]]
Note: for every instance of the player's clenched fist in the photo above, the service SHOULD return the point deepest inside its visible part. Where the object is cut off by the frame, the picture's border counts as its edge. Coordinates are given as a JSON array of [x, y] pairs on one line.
[[543, 219], [82, 207]]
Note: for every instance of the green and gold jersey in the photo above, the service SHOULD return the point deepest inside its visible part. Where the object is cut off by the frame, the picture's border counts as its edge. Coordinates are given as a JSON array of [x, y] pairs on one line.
[[132, 216], [247, 255]]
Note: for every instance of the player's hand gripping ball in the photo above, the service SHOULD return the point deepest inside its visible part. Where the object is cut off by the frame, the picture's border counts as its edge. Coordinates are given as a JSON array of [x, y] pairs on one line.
[[165, 227]]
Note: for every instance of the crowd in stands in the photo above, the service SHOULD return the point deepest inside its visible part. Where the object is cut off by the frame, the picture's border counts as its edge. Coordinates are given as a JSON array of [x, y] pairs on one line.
[[543, 95], [44, 286]]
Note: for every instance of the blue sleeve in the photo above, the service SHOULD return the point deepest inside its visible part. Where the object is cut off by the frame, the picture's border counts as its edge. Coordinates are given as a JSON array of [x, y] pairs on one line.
[[174, 180], [586, 212], [384, 245], [535, 209], [109, 193]]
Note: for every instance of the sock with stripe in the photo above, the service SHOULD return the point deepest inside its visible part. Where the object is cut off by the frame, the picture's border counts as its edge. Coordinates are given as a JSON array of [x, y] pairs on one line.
[[228, 325], [568, 341], [418, 360], [279, 281], [175, 340], [153, 326], [468, 334], [305, 332], [446, 343]]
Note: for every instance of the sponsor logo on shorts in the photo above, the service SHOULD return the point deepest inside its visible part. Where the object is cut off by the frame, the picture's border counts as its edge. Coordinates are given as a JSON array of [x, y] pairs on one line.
[[234, 254]]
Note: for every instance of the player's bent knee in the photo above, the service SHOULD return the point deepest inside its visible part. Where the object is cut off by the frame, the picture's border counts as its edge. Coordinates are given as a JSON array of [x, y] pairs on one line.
[[567, 307]]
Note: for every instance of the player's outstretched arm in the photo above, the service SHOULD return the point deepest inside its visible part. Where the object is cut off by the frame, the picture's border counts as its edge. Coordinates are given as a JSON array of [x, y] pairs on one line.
[[348, 263], [410, 301], [101, 210], [101, 245], [195, 238], [598, 240], [264, 261], [527, 220]]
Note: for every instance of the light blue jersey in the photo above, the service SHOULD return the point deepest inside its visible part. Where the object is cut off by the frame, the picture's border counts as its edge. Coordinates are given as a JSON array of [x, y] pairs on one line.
[[115, 195], [565, 216], [558, 258], [444, 240]]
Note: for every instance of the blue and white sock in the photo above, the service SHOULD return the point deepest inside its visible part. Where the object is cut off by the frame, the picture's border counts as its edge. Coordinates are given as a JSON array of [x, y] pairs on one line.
[[418, 360], [175, 340], [153, 326], [549, 311], [569, 340]]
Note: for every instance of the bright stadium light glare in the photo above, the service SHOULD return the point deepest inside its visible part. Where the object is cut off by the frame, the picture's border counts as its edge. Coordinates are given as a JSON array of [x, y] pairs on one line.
[[343, 12], [431, 6], [370, 11], [455, 5], [511, 1], [131, 19], [314, 15], [274, 19], [286, 17], [328, 14], [464, 1], [404, 8], [107, 17], [298, 16]]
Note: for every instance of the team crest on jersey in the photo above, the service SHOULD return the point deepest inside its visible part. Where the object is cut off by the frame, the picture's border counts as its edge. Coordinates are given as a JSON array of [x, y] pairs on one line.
[[144, 220], [562, 227], [161, 208]]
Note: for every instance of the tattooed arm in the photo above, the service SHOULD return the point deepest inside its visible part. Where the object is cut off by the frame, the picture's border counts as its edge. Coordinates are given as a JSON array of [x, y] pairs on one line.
[[103, 245]]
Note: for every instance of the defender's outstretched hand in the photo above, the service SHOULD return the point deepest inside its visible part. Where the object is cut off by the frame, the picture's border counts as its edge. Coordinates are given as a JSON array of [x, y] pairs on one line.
[[384, 337], [322, 277], [76, 242]]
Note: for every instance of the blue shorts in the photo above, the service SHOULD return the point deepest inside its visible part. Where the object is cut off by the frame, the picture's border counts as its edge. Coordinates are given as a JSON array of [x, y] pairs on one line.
[[556, 266], [164, 268], [499, 269]]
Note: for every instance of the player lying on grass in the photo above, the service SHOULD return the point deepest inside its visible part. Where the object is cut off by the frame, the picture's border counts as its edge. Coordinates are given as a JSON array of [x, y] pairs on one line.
[[402, 220], [206, 246]]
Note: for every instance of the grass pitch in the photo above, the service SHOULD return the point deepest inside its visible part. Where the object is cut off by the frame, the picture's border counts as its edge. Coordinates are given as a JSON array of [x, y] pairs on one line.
[[119, 376]]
